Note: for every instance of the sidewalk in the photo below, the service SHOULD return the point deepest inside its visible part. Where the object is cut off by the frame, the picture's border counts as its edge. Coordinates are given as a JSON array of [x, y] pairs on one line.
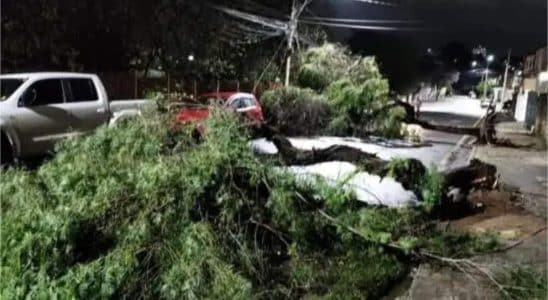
[[523, 166]]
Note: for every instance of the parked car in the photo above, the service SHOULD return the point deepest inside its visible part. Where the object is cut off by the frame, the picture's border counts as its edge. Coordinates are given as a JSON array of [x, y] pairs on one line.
[[39, 109], [243, 103]]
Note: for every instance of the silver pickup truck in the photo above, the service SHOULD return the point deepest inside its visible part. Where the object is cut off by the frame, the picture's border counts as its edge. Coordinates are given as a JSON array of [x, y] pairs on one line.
[[38, 109]]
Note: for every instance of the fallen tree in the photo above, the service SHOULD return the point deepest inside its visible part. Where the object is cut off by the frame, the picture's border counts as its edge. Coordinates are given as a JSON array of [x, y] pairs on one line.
[[476, 175], [485, 132], [139, 211]]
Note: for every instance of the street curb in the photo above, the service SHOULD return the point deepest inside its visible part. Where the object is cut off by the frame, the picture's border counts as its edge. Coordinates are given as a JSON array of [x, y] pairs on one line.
[[465, 142]]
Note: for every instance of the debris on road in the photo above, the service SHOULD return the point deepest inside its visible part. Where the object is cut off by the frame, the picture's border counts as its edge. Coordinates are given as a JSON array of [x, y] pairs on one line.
[[366, 173]]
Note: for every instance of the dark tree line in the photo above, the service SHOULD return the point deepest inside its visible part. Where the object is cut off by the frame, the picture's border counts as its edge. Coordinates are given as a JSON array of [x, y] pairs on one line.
[[103, 35]]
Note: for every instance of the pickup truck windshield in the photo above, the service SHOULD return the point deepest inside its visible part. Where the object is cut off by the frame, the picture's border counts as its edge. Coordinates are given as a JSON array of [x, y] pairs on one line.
[[8, 86]]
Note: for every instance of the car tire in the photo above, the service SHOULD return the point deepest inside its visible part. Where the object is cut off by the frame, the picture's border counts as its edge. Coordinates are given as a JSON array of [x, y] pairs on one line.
[[6, 151]]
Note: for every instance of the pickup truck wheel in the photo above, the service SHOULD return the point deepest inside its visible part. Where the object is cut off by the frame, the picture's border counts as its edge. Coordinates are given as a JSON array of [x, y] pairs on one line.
[[6, 151]]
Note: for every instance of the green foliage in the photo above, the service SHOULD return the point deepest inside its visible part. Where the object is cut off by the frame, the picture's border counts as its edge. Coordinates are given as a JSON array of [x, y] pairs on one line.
[[460, 245], [388, 225], [197, 270], [361, 107], [321, 66], [143, 211], [432, 188], [391, 126], [361, 274], [296, 111], [89, 218], [485, 86], [356, 91], [523, 283]]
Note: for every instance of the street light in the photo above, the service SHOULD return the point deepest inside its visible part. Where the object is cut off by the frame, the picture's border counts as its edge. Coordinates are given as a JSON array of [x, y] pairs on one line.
[[474, 64], [191, 57], [490, 58]]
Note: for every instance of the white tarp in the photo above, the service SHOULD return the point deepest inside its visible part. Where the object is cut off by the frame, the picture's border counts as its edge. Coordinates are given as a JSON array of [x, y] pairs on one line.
[[368, 188]]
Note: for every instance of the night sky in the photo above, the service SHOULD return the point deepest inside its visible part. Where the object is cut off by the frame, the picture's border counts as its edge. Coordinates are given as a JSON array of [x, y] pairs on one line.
[[496, 24]]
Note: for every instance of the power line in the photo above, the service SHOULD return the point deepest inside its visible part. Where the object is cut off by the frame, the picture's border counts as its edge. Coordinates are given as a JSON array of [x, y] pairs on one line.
[[264, 9], [363, 27], [267, 22], [258, 31], [268, 66], [375, 2], [355, 21]]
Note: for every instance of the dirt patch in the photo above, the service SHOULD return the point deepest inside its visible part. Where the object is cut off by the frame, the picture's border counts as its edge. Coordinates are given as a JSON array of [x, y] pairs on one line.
[[499, 212]]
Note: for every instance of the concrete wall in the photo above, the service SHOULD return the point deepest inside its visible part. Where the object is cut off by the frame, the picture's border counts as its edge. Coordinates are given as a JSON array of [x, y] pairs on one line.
[[527, 108], [530, 84], [521, 107], [531, 110], [542, 114]]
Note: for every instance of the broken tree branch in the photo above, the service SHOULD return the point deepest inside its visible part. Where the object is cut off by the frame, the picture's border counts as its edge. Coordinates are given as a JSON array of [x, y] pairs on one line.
[[485, 132], [462, 264]]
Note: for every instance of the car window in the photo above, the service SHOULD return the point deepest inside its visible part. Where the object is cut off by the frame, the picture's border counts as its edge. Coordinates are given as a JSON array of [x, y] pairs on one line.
[[243, 102], [44, 92], [81, 89], [8, 86]]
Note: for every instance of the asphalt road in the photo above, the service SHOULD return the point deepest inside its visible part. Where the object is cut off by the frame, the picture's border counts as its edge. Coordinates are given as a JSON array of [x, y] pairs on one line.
[[451, 154], [452, 119]]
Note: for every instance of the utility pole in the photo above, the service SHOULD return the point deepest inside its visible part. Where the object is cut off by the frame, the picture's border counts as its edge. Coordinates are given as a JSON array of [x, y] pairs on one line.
[[292, 27], [505, 77], [296, 11], [485, 82]]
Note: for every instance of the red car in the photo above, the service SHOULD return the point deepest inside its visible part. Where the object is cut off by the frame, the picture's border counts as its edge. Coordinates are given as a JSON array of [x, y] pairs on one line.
[[243, 103]]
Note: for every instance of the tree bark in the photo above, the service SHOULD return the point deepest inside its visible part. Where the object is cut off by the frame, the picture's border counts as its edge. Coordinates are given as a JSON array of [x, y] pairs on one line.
[[293, 156], [476, 175]]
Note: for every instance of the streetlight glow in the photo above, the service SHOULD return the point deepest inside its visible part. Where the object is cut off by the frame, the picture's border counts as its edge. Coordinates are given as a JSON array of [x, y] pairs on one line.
[[191, 57], [490, 58], [474, 64]]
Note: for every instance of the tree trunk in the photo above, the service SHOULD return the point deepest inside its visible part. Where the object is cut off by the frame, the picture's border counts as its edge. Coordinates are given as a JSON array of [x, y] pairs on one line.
[[476, 175], [485, 133]]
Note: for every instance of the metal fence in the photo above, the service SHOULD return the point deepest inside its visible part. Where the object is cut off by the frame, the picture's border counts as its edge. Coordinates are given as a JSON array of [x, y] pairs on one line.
[[126, 85]]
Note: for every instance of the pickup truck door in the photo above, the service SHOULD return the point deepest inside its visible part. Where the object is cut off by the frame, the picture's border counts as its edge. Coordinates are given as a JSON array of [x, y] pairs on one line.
[[86, 107], [41, 117]]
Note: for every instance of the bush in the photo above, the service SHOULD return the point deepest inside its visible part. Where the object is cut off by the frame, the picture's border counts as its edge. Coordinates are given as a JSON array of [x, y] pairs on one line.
[[295, 111]]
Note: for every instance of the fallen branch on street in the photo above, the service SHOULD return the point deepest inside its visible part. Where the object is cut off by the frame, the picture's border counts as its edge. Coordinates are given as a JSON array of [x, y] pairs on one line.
[[465, 265], [476, 175]]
